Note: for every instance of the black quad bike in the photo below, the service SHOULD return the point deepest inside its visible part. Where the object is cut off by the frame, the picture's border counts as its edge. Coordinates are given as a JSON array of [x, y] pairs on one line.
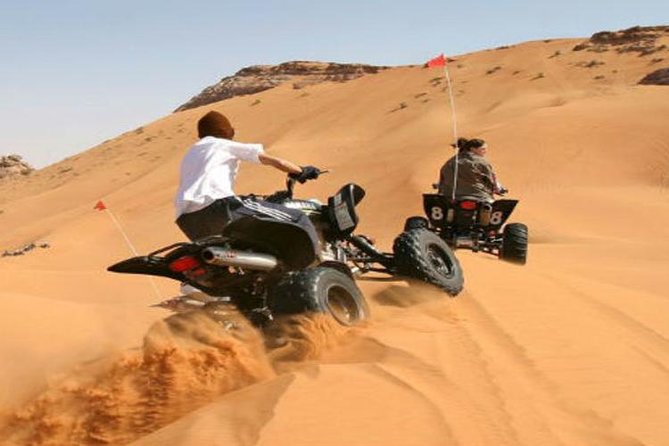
[[268, 267], [472, 224]]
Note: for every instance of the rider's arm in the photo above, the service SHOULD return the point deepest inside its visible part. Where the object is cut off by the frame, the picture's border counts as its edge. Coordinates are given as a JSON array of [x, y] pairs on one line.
[[441, 185], [485, 175], [279, 163], [499, 189], [497, 186], [446, 177]]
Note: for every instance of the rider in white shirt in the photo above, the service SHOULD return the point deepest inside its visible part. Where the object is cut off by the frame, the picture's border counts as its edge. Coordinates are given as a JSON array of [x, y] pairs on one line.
[[206, 202], [208, 171]]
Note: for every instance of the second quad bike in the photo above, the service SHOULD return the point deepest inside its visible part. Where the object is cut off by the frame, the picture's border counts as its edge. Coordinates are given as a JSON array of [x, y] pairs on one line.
[[476, 225], [267, 267]]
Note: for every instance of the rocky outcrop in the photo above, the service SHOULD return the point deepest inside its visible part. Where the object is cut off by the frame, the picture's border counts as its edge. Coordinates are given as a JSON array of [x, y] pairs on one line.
[[12, 165], [25, 249], [638, 39], [258, 78], [657, 77]]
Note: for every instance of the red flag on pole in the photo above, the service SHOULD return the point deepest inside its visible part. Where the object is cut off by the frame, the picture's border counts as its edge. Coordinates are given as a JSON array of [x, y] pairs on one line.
[[439, 61], [100, 206]]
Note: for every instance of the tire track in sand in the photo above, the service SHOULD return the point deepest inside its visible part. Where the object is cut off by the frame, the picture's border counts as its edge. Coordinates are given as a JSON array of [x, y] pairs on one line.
[[424, 349], [528, 396]]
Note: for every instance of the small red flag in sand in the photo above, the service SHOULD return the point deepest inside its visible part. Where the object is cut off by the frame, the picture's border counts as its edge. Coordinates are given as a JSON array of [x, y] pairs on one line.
[[439, 61], [100, 206]]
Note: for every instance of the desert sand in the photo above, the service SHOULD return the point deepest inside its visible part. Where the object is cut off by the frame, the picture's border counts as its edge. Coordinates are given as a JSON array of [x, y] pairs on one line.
[[571, 349]]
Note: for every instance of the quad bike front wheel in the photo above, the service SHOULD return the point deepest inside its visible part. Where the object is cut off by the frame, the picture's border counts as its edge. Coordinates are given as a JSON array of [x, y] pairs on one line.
[[422, 254], [319, 290], [514, 243], [416, 223]]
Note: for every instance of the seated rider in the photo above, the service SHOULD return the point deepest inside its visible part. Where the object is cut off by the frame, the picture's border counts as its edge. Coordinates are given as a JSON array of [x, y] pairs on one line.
[[206, 202], [475, 176]]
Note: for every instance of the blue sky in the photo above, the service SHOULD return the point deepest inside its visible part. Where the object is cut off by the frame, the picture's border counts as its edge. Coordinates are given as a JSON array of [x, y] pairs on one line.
[[74, 73]]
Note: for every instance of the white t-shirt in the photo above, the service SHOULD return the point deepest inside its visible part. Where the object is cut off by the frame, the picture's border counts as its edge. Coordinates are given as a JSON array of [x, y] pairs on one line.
[[208, 172]]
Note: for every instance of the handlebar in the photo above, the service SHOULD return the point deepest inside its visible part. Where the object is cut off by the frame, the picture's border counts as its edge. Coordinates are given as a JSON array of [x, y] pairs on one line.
[[290, 183], [501, 191], [282, 195]]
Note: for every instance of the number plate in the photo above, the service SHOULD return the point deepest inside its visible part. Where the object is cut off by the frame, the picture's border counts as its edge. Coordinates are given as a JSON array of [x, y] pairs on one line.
[[436, 213], [343, 217]]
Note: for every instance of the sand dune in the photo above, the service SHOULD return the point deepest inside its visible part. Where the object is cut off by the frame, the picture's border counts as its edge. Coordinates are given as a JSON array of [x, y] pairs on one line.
[[571, 349]]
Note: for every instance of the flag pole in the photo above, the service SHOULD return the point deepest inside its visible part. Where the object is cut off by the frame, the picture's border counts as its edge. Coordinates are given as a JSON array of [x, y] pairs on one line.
[[455, 129], [125, 236], [102, 207], [440, 61]]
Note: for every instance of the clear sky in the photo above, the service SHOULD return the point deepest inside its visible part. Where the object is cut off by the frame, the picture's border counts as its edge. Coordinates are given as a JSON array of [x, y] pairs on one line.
[[76, 72]]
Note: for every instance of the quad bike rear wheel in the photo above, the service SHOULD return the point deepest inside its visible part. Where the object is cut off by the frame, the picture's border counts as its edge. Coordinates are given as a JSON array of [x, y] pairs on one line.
[[514, 243], [319, 290], [423, 255]]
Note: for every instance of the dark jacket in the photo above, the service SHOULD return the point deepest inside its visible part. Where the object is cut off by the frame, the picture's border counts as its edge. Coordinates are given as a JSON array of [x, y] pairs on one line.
[[476, 178]]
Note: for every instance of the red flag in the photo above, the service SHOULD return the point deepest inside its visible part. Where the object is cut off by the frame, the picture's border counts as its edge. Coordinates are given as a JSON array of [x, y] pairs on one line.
[[100, 206], [439, 61]]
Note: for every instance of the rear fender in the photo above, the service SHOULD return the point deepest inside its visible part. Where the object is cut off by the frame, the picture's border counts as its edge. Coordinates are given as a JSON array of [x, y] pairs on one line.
[[151, 266], [437, 206], [155, 264], [436, 209], [501, 211]]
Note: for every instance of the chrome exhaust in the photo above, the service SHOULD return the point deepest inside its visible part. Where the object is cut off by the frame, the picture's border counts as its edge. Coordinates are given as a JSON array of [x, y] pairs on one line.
[[243, 259], [464, 242]]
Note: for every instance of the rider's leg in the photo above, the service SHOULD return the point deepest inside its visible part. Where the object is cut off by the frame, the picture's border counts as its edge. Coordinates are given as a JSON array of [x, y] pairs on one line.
[[212, 219], [208, 221], [264, 209]]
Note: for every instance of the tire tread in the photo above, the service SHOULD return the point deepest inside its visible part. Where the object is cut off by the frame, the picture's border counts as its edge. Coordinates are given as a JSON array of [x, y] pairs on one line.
[[514, 243], [411, 261], [298, 292]]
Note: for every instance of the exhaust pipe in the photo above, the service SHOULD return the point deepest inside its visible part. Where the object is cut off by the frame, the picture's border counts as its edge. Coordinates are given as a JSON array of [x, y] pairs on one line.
[[464, 242], [242, 259]]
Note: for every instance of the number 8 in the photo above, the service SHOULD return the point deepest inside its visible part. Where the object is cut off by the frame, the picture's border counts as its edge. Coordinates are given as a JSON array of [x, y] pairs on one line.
[[437, 213], [496, 218]]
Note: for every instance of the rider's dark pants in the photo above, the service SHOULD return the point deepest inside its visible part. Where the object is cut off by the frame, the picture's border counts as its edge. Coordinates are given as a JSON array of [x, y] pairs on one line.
[[212, 219]]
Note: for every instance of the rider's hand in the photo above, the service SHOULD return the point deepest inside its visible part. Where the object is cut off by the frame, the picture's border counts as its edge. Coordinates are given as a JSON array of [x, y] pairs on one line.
[[308, 173]]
